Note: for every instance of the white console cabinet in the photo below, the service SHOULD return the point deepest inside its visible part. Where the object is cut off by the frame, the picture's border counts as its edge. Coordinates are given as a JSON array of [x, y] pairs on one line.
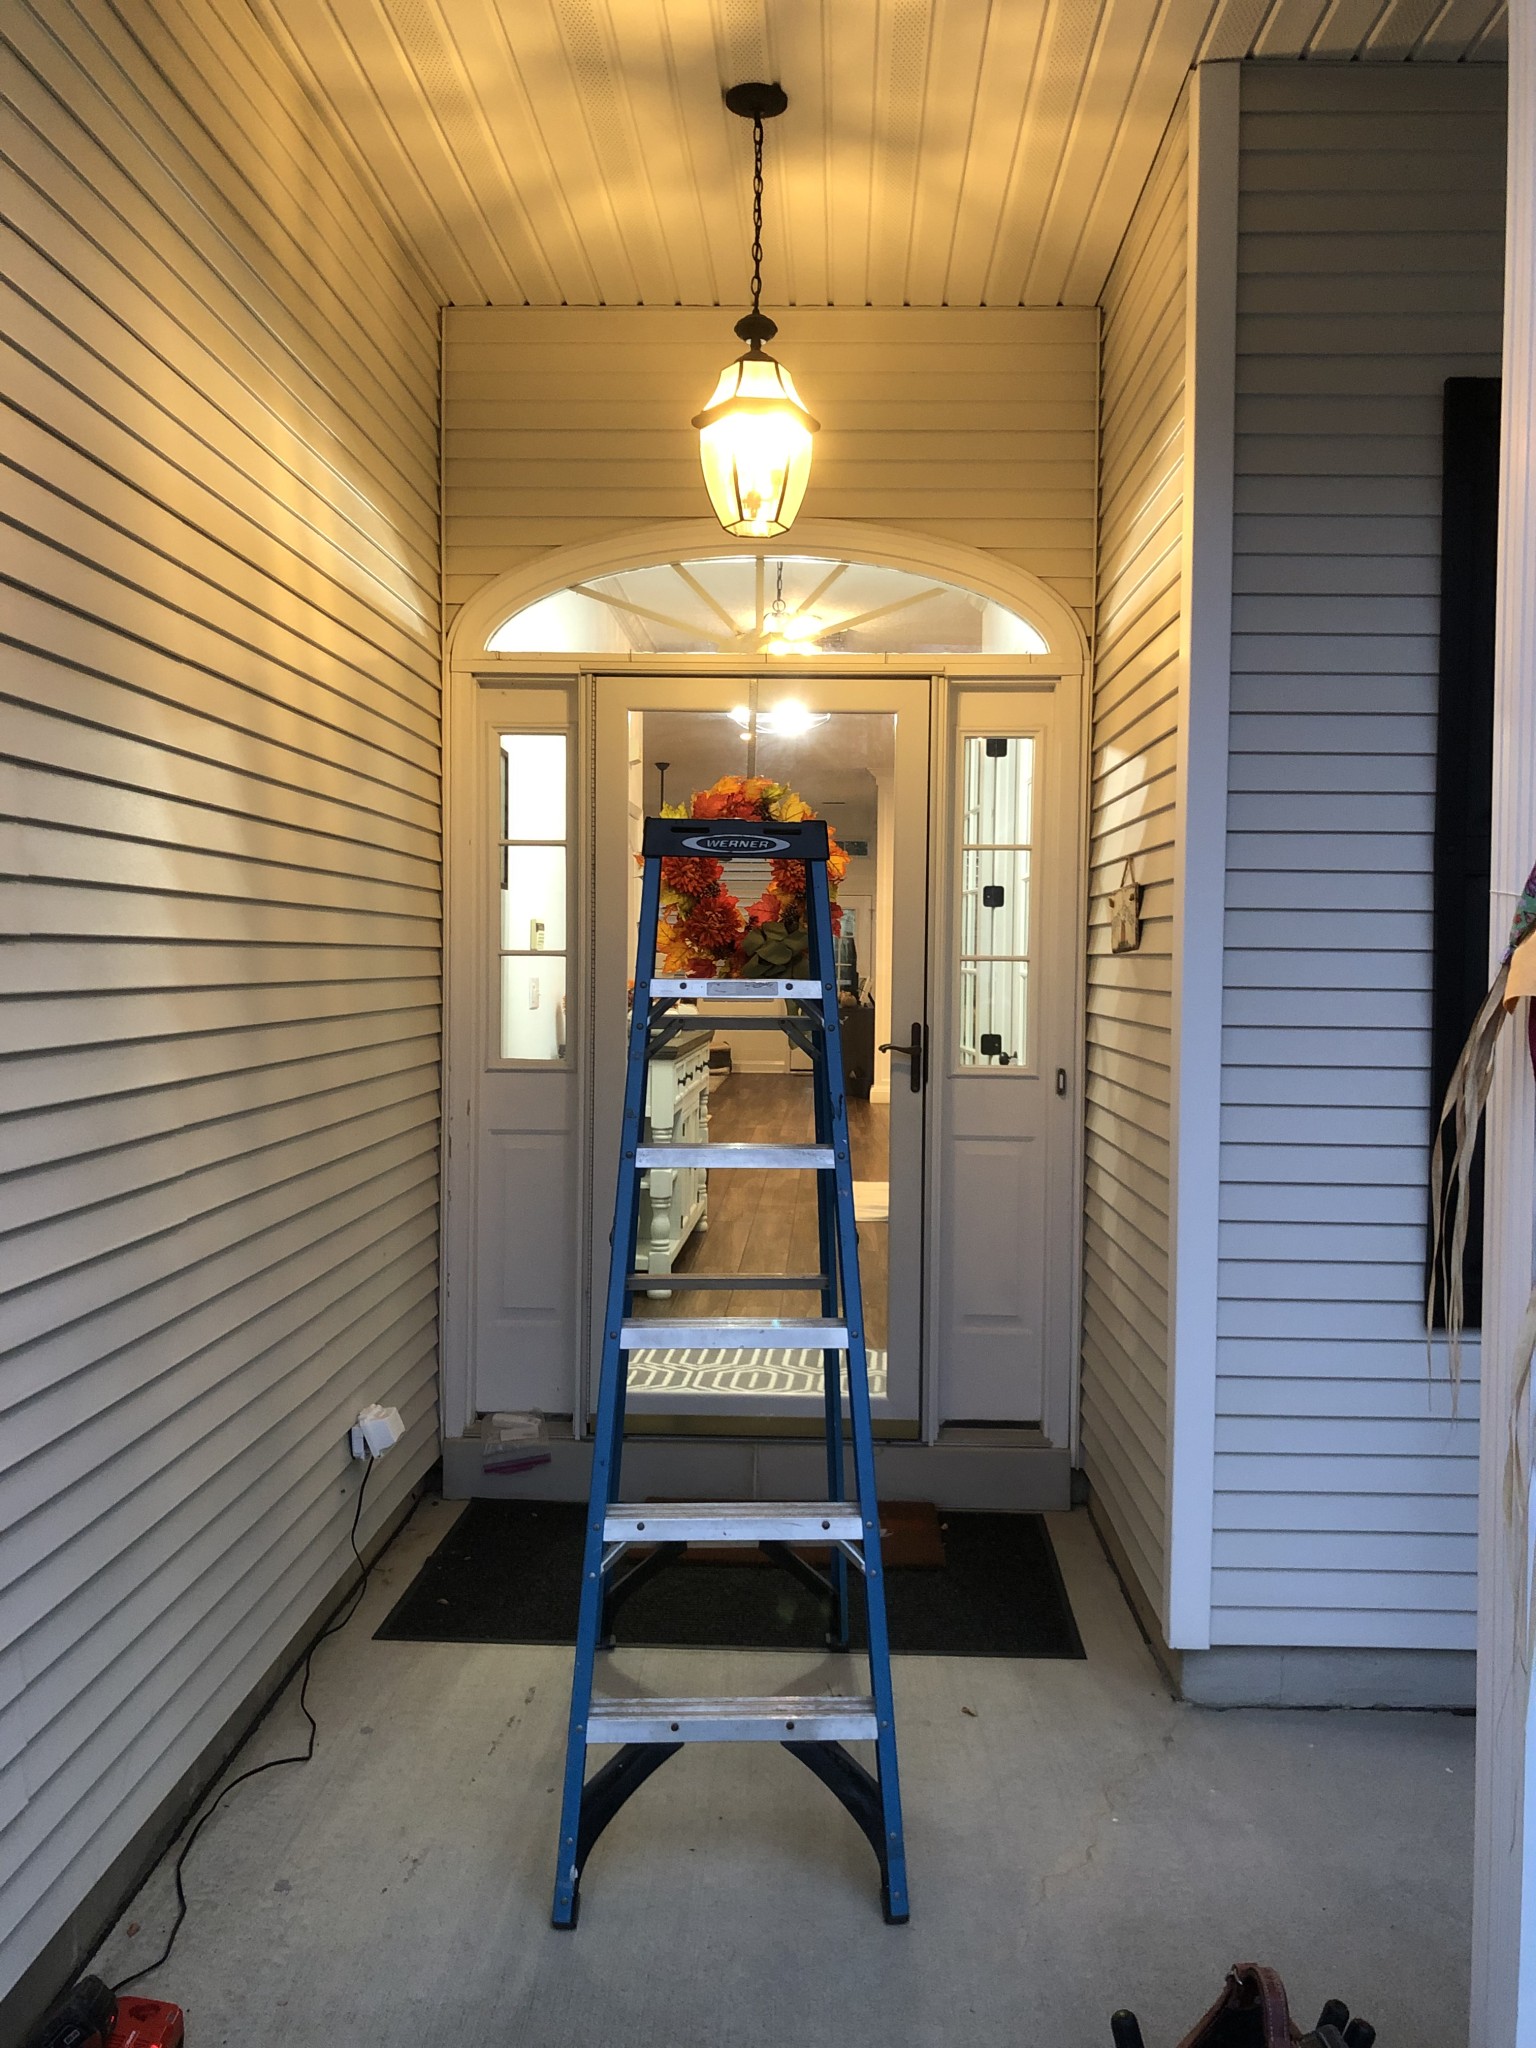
[[674, 1201]]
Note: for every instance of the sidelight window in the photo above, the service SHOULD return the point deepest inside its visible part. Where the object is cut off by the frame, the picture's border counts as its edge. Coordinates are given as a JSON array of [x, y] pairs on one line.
[[996, 823], [534, 895]]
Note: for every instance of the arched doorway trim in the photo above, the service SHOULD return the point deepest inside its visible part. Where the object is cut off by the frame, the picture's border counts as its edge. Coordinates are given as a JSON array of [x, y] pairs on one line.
[[690, 539]]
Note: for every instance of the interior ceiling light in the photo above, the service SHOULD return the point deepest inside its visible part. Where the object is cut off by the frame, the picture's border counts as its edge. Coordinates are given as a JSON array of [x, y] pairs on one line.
[[754, 434], [786, 720], [796, 636], [787, 632]]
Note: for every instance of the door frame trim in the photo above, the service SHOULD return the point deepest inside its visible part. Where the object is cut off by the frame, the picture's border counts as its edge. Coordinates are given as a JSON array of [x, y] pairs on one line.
[[467, 665]]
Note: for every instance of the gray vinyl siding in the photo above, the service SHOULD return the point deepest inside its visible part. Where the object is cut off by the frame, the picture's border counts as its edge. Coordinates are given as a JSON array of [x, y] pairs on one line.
[[219, 991], [1133, 815], [1370, 270]]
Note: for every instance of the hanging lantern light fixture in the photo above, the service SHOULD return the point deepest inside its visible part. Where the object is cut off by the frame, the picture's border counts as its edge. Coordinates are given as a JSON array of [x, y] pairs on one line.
[[755, 435]]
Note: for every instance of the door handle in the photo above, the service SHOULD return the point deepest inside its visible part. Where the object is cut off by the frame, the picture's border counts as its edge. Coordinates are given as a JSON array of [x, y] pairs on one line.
[[915, 1052]]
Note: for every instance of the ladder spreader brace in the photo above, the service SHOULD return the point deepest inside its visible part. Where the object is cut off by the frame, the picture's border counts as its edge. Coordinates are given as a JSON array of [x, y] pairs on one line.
[[813, 1729]]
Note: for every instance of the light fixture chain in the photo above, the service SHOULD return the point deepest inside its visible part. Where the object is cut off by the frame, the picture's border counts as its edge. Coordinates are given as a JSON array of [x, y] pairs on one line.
[[757, 211]]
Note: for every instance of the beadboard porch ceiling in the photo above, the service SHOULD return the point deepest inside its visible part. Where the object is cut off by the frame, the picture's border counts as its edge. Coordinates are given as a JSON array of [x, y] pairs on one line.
[[935, 152]]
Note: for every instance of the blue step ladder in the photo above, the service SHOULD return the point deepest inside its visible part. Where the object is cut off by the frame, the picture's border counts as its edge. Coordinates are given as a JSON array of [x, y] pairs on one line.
[[813, 1729]]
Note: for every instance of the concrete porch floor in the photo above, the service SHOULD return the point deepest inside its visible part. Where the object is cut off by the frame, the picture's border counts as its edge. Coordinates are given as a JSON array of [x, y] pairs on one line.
[[1078, 1841]]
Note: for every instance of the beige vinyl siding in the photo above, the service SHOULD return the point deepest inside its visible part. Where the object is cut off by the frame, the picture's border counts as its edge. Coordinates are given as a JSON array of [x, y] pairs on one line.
[[974, 427], [1133, 763], [219, 991], [1370, 270]]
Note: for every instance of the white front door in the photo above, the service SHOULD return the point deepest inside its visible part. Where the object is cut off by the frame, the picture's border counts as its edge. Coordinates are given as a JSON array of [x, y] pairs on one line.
[[1005, 1061], [858, 755]]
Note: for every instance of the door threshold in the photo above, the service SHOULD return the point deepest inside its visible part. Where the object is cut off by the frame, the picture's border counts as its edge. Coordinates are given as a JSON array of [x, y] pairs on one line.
[[994, 1433], [995, 1474]]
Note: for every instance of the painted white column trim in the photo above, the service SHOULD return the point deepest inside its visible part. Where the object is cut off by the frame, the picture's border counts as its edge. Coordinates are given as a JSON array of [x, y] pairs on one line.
[[1504, 1875], [1205, 669]]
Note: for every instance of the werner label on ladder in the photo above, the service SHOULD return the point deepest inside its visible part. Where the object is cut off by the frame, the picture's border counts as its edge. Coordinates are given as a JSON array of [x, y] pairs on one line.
[[813, 1729]]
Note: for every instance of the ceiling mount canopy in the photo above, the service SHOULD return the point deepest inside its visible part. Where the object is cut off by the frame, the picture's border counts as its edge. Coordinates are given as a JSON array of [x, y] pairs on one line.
[[754, 434]]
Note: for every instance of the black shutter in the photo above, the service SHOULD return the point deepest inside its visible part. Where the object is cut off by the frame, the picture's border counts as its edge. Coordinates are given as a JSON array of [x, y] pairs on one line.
[[1464, 769]]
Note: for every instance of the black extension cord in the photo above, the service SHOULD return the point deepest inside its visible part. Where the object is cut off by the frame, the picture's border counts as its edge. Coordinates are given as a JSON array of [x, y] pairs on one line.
[[353, 1602]]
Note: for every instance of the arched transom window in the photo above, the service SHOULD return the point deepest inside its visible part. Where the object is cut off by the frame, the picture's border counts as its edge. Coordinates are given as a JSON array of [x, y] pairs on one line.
[[789, 606]]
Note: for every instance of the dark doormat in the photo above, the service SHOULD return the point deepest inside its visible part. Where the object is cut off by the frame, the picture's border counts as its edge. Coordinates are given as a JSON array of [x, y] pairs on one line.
[[510, 1572]]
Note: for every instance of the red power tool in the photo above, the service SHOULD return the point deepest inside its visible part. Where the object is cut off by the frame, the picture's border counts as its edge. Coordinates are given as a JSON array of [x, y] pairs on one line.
[[147, 2023], [91, 2017]]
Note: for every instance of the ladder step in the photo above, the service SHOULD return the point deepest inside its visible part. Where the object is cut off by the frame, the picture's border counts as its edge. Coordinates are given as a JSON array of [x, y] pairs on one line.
[[689, 990], [787, 1158], [678, 1021], [732, 1283], [733, 1521], [750, 1333], [785, 1719]]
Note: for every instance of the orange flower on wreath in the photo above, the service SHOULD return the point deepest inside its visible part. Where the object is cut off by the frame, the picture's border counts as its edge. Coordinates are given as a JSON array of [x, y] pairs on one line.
[[713, 925], [692, 876]]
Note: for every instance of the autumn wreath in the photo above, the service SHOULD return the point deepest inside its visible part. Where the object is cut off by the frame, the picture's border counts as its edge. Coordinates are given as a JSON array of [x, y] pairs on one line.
[[705, 933]]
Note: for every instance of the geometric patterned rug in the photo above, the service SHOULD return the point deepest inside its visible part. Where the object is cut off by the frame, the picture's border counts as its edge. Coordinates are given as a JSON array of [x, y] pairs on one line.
[[734, 1371]]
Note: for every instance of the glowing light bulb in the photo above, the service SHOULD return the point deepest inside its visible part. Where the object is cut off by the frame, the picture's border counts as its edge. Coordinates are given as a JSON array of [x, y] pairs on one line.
[[791, 719], [755, 447]]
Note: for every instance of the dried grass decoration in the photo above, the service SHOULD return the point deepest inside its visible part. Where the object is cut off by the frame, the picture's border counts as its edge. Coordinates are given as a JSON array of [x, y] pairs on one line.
[[705, 933], [1466, 1102]]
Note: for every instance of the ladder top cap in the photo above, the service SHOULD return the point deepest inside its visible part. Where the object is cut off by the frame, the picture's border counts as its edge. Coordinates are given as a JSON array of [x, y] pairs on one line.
[[734, 839]]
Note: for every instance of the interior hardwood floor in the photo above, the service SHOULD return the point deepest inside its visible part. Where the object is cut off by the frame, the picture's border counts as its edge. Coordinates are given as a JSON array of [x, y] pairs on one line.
[[765, 1222]]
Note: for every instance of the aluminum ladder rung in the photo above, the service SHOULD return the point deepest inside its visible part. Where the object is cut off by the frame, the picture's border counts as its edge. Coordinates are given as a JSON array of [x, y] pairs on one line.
[[786, 1718], [783, 1158], [677, 1021], [745, 1521], [674, 989], [750, 1333], [731, 1283]]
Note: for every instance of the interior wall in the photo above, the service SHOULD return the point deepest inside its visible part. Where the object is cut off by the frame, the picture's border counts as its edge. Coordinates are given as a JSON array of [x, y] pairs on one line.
[[1370, 269], [972, 426], [220, 1001], [1133, 817]]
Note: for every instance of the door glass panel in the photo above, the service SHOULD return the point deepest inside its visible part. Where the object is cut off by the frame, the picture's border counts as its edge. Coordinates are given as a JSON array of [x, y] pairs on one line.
[[993, 923], [533, 899], [722, 1081], [995, 896], [533, 893], [1000, 1020], [532, 1006], [533, 785]]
